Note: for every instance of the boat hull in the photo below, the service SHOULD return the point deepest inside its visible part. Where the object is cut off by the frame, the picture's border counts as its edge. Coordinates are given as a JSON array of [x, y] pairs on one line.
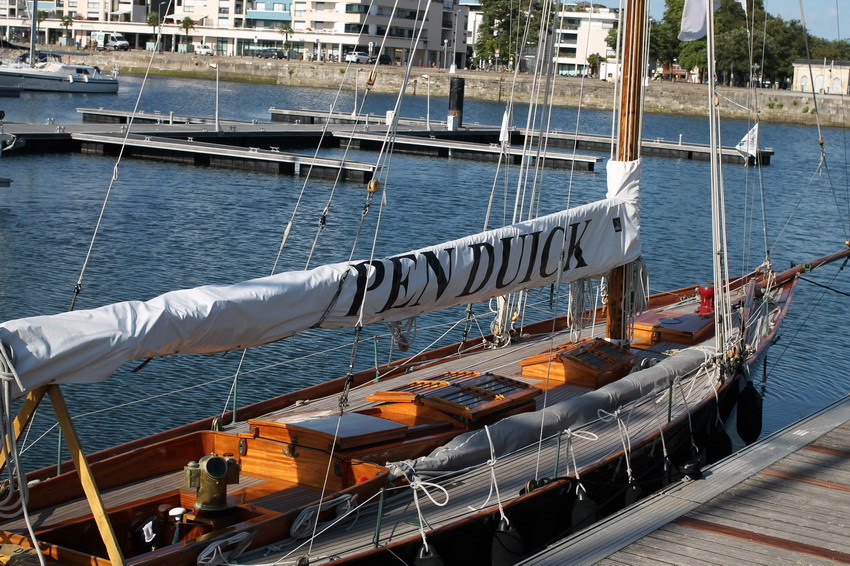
[[26, 79]]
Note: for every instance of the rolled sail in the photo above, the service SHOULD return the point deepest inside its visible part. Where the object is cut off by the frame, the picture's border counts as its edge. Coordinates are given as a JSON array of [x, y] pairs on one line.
[[89, 345]]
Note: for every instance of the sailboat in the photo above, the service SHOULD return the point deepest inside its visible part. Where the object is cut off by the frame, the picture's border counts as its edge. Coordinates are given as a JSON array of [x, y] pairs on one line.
[[477, 452], [30, 72]]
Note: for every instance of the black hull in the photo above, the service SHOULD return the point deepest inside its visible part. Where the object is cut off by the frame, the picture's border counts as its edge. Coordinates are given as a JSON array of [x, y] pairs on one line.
[[550, 512]]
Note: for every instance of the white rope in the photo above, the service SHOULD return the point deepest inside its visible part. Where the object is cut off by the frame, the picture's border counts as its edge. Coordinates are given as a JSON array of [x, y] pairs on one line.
[[605, 416], [223, 551], [660, 428], [17, 480], [416, 484], [301, 525], [402, 332], [494, 486], [584, 435]]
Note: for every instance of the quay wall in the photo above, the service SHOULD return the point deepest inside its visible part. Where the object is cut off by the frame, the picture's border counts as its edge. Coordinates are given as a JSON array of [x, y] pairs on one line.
[[684, 99]]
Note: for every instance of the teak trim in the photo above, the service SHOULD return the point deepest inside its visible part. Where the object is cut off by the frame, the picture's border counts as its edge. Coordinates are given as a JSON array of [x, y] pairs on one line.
[[86, 477], [25, 414]]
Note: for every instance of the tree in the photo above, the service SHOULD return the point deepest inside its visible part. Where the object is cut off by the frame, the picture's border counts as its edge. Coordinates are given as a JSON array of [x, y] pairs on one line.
[[153, 21], [67, 23], [503, 27], [286, 31], [593, 61], [186, 24]]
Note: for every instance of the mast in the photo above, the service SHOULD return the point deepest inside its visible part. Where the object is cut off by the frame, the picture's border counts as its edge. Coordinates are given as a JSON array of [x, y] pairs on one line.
[[33, 30], [628, 141]]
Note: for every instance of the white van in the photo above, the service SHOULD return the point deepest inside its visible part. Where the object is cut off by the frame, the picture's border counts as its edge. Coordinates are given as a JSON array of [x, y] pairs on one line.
[[108, 40]]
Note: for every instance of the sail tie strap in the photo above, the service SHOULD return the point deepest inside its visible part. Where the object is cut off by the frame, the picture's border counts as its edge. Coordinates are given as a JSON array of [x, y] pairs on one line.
[[605, 416], [223, 551], [416, 484]]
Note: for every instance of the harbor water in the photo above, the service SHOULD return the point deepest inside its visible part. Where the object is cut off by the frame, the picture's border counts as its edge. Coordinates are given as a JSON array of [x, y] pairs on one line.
[[171, 226]]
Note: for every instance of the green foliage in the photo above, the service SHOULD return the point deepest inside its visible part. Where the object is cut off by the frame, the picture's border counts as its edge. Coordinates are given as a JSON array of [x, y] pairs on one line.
[[771, 43], [186, 24], [504, 24], [286, 31], [152, 20], [593, 61], [67, 23]]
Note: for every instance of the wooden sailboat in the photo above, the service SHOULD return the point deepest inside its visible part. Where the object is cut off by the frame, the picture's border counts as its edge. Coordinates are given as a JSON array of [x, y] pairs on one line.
[[465, 454]]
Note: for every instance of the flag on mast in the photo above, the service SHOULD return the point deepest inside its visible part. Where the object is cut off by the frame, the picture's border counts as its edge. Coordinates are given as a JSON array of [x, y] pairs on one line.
[[694, 19], [749, 144]]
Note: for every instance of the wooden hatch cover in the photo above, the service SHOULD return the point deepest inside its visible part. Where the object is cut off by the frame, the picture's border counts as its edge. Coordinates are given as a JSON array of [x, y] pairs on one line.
[[672, 326], [316, 429], [591, 362], [468, 395]]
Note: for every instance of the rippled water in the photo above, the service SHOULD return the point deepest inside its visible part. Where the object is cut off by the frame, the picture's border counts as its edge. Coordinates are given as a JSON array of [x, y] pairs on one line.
[[171, 226]]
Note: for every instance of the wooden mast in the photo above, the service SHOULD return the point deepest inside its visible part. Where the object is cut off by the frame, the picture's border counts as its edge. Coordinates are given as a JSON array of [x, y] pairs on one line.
[[628, 141]]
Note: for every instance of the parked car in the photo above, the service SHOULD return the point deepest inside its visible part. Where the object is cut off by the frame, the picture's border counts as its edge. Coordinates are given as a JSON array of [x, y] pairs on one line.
[[204, 50], [382, 59], [271, 54], [357, 57]]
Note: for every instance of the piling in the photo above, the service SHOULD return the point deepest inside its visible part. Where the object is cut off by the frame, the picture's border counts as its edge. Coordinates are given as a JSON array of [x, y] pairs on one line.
[[455, 119]]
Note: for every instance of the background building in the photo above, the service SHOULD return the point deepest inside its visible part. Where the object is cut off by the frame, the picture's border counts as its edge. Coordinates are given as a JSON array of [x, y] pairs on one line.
[[829, 77], [315, 30]]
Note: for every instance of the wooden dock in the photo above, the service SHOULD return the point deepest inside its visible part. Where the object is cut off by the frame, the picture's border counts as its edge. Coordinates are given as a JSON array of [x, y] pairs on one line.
[[464, 150], [219, 155], [556, 139], [783, 500]]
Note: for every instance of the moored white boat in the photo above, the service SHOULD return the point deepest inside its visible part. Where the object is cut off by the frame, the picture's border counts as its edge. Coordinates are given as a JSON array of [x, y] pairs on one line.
[[56, 76]]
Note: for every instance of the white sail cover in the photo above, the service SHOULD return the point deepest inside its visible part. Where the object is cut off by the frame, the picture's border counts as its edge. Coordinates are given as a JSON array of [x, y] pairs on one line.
[[89, 345]]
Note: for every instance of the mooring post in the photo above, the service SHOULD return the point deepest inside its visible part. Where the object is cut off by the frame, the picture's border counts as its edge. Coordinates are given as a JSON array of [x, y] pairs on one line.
[[455, 118]]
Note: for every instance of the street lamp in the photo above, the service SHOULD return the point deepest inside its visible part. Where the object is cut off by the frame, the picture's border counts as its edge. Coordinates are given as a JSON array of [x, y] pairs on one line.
[[215, 66], [428, 105], [159, 17], [453, 68], [445, 57]]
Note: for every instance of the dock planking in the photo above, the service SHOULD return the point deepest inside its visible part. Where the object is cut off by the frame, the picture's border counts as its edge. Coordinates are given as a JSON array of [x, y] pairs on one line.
[[554, 139], [256, 145], [783, 500], [465, 150], [218, 155]]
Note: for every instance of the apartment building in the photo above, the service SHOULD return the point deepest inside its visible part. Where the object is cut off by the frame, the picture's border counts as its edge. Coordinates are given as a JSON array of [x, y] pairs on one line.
[[317, 30], [582, 30]]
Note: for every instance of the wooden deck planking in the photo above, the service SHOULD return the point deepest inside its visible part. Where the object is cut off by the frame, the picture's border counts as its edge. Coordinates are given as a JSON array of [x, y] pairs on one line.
[[758, 492], [787, 522], [471, 488], [162, 483], [743, 551]]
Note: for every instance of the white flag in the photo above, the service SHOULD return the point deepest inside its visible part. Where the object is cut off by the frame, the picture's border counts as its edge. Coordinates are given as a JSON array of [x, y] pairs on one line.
[[694, 19], [749, 144], [743, 5], [504, 134]]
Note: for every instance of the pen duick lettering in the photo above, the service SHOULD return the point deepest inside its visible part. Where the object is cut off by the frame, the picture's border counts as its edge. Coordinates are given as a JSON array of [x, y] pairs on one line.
[[461, 271]]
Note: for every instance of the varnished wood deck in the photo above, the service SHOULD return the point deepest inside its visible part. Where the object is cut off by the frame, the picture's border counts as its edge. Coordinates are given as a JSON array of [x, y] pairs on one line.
[[784, 500]]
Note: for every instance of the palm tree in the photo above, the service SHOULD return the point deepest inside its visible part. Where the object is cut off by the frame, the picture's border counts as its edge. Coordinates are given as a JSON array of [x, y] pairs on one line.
[[67, 22], [186, 24], [153, 21], [286, 30]]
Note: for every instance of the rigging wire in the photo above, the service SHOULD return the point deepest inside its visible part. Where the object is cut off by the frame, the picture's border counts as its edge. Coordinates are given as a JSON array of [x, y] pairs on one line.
[[821, 141]]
